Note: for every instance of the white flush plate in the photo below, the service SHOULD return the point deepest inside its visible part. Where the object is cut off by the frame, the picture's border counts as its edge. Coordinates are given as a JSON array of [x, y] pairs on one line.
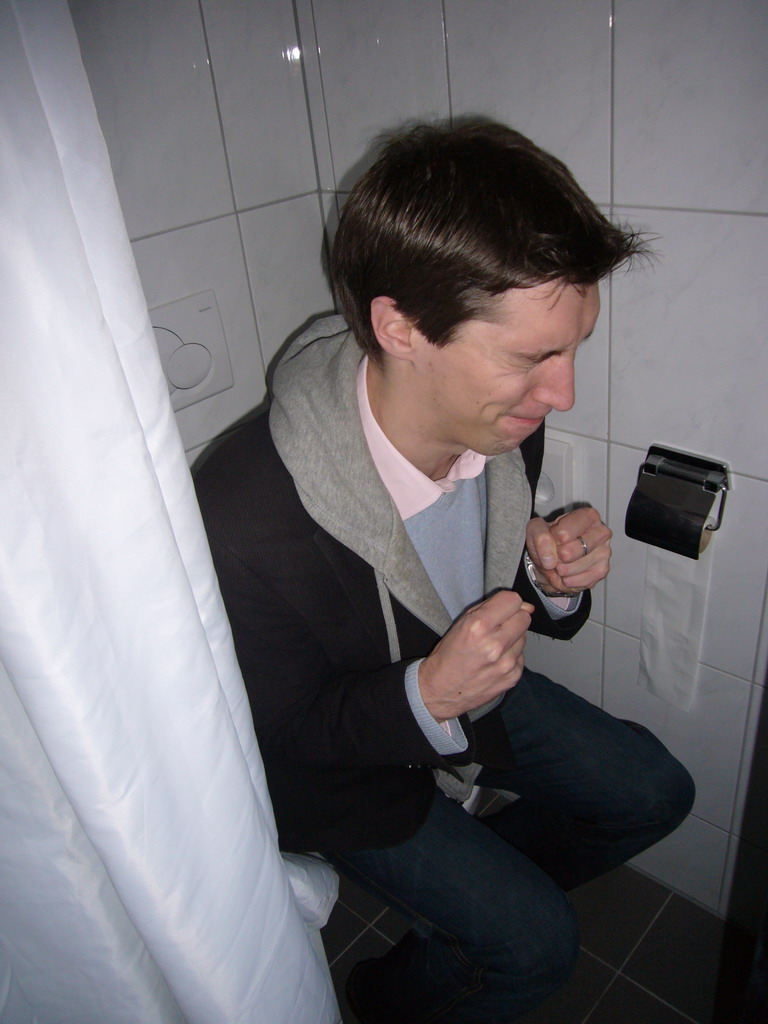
[[193, 348], [555, 490]]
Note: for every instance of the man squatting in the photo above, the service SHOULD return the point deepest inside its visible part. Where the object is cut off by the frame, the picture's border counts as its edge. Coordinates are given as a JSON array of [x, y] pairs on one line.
[[381, 565]]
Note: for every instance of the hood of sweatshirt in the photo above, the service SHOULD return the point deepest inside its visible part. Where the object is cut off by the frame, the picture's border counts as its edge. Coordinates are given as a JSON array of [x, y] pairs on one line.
[[316, 427]]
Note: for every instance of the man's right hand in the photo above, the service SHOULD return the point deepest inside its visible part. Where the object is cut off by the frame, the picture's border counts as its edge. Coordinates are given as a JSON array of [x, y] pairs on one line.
[[480, 657]]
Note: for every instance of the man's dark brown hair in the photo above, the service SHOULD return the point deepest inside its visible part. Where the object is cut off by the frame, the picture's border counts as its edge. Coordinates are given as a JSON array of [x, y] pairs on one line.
[[448, 218]]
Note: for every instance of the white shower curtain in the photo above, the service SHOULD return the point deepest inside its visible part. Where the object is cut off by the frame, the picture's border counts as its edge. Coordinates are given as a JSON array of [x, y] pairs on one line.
[[140, 880]]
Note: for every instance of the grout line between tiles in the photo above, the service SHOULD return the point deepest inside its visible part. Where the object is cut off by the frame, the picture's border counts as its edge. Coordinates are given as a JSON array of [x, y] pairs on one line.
[[232, 191], [303, 45], [648, 992], [645, 933], [601, 997], [664, 1002], [357, 913], [447, 63], [348, 946], [617, 972], [691, 209], [633, 981], [234, 212], [386, 938], [368, 928]]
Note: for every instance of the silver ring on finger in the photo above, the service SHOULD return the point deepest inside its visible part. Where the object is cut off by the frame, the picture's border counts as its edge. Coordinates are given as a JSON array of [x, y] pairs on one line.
[[584, 548]]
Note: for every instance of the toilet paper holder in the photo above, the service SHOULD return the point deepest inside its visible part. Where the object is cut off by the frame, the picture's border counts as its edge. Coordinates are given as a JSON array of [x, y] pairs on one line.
[[672, 503], [711, 475]]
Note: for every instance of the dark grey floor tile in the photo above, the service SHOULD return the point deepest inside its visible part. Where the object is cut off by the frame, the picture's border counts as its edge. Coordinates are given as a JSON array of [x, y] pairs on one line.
[[342, 929], [573, 1002], [615, 910], [392, 924], [625, 1003], [694, 961], [358, 899], [369, 944]]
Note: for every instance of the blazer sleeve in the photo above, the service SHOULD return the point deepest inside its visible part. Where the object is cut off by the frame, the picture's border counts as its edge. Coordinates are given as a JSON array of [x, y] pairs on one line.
[[315, 660], [312, 705]]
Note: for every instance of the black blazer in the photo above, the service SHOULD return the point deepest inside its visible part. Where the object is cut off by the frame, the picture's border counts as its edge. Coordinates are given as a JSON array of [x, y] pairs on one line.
[[346, 763]]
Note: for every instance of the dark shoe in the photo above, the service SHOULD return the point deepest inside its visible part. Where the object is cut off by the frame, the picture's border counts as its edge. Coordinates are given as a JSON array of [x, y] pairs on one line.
[[349, 992], [358, 980]]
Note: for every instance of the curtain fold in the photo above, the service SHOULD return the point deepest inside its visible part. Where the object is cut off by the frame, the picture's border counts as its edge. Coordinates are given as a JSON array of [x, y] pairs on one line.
[[139, 872]]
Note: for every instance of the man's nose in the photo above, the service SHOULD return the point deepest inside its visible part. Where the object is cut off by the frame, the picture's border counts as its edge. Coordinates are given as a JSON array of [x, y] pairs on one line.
[[555, 386]]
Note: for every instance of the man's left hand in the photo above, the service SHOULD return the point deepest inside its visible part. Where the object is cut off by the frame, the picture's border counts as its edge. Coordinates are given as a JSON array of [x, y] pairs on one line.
[[573, 552]]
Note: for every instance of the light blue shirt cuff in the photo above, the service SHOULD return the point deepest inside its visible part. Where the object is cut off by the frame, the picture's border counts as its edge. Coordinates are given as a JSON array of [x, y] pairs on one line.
[[559, 611], [456, 742]]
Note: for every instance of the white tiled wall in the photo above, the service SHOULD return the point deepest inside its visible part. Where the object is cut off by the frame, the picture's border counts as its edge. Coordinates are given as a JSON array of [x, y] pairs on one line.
[[151, 79], [689, 95], [543, 68], [256, 64], [381, 63], [233, 126]]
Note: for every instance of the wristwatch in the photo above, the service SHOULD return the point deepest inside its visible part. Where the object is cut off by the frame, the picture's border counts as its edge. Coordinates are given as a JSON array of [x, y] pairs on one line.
[[546, 588]]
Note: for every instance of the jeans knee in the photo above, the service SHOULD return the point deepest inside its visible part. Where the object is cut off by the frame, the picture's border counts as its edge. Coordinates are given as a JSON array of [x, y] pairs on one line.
[[556, 966], [680, 795], [561, 950], [669, 788], [542, 960]]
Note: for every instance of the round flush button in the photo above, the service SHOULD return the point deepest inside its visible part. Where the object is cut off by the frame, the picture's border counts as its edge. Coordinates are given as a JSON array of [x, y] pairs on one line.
[[188, 366]]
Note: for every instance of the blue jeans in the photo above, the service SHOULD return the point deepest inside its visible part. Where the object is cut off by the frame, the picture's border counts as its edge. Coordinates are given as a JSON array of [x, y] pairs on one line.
[[493, 931]]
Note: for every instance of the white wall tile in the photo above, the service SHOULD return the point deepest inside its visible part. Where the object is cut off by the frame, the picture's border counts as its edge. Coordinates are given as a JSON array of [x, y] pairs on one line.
[[331, 204], [542, 68], [624, 586], [383, 62], [310, 55], [257, 65], [589, 485], [191, 260], [691, 861], [589, 466], [691, 94], [576, 664], [689, 359], [737, 583], [284, 251], [589, 414], [148, 67], [707, 738]]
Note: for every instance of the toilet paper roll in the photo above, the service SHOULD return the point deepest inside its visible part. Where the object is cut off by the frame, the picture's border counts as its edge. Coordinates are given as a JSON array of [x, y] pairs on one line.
[[672, 625]]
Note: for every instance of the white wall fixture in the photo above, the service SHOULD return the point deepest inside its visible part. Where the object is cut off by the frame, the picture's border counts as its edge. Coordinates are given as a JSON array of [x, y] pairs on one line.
[[555, 487], [193, 348]]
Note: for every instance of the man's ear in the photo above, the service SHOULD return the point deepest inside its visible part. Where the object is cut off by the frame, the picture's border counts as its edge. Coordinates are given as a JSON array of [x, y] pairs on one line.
[[394, 332]]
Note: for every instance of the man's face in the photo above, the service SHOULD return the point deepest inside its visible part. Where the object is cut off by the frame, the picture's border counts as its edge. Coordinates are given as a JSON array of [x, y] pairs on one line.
[[493, 385]]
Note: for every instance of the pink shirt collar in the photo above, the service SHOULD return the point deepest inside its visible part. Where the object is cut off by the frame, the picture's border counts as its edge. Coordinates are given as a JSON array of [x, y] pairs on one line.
[[410, 489]]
